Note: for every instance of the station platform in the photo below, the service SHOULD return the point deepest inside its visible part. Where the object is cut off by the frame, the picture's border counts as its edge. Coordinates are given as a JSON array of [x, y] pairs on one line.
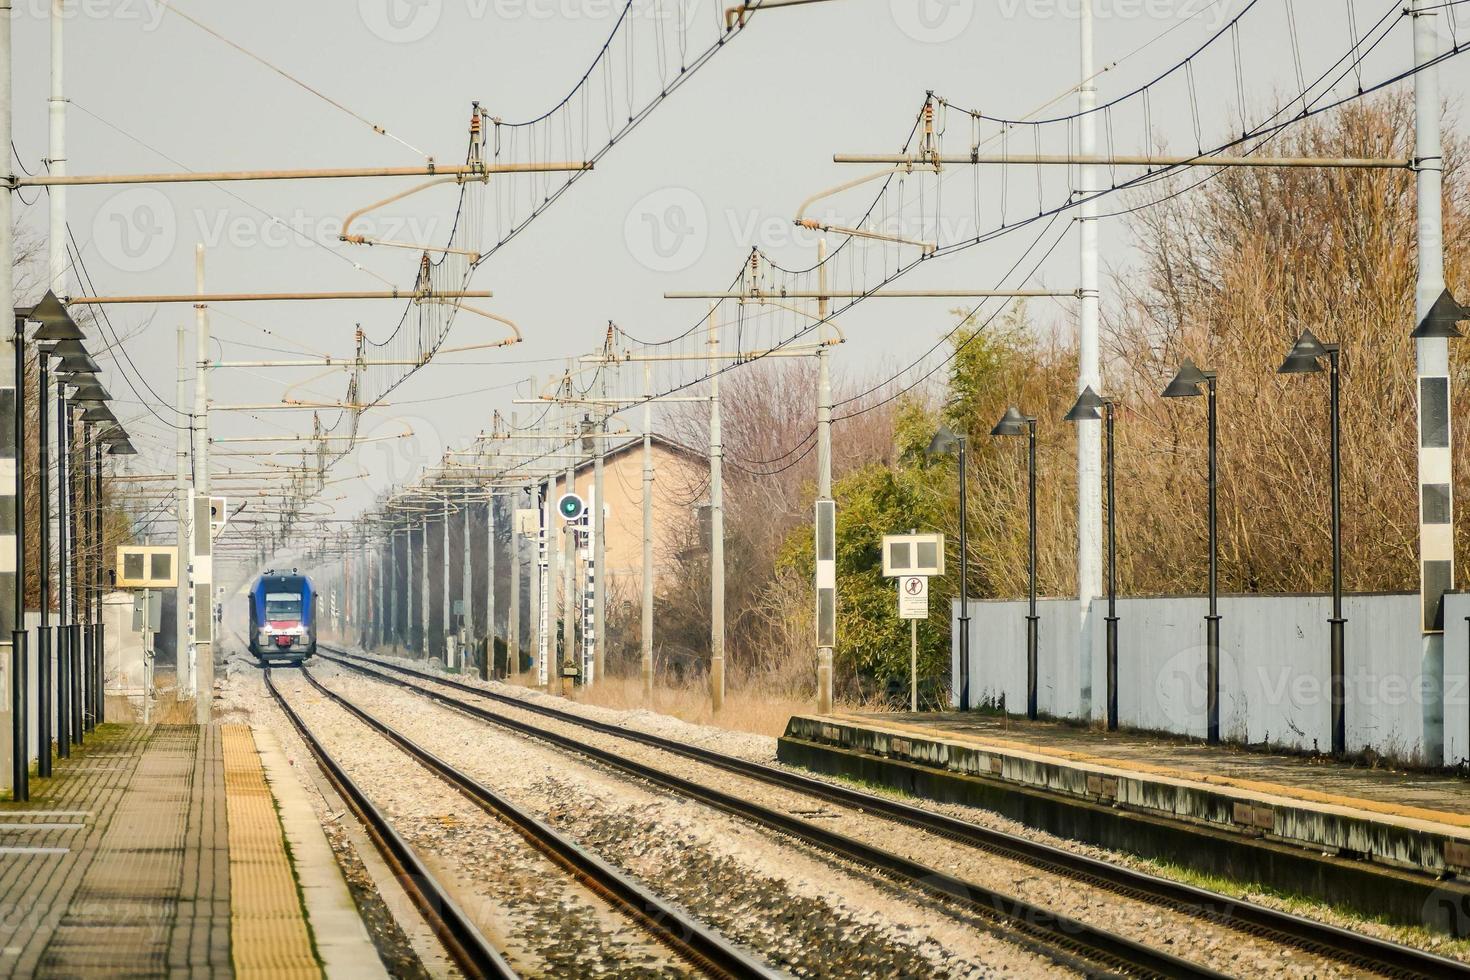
[[1391, 842], [154, 851]]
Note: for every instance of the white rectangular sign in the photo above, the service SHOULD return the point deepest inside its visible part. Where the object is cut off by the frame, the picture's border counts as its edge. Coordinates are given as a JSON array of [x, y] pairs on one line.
[[913, 597], [913, 554]]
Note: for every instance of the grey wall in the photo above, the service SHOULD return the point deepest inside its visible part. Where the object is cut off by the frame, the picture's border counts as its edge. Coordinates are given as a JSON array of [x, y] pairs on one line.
[[1273, 669]]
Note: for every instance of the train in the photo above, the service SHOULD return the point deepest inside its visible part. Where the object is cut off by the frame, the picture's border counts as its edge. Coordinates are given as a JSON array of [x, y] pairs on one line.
[[283, 616]]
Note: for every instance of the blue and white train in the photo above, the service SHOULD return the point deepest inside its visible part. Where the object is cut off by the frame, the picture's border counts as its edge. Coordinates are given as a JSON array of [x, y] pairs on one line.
[[283, 616]]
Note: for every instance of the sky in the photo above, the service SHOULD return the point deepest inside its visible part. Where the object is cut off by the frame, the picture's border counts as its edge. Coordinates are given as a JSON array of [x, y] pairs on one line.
[[725, 161]]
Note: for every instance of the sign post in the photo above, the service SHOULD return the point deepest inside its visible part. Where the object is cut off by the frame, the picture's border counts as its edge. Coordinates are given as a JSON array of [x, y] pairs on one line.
[[912, 559]]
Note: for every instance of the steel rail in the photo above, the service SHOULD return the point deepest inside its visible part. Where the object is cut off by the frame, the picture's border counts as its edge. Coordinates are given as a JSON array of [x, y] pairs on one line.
[[1380, 955], [688, 938], [1068, 941], [460, 936]]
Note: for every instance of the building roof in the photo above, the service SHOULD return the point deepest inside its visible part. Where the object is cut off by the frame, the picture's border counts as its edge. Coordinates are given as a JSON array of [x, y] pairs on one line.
[[635, 443]]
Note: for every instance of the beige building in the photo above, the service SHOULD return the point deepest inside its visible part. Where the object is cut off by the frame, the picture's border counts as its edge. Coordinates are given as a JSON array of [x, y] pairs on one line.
[[680, 497]]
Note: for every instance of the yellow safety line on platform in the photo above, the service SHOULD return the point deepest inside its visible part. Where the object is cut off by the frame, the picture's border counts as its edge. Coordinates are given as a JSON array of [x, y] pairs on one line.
[[269, 936], [1442, 817]]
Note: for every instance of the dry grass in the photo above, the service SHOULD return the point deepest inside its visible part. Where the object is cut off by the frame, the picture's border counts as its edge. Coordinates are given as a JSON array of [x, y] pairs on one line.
[[168, 709], [745, 710]]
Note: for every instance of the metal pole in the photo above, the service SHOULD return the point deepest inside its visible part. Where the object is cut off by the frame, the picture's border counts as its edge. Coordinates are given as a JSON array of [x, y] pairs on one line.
[[717, 532], [86, 676], [380, 613], [513, 612], [1436, 485], [824, 469], [487, 664], [77, 445], [99, 672], [20, 656], [203, 571], [569, 603], [43, 631], [424, 596], [409, 639], [446, 608], [1112, 621], [1089, 374], [1032, 620], [183, 646], [64, 562], [599, 549], [545, 599], [10, 489], [964, 586], [1212, 620], [1338, 623], [394, 590], [648, 570]]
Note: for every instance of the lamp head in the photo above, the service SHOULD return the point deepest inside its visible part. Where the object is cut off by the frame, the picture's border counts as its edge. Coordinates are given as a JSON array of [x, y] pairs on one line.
[[1304, 354], [944, 442], [1012, 423], [1441, 319], [1186, 383], [55, 322], [1088, 406], [124, 448]]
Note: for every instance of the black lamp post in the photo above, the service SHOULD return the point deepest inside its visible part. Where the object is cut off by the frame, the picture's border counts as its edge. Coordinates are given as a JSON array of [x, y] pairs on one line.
[[76, 368], [92, 415], [1305, 358], [1013, 423], [20, 731], [55, 325], [1090, 406], [1186, 384], [946, 441]]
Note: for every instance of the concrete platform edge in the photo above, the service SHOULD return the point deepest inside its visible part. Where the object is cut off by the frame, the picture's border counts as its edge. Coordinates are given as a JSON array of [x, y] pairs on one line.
[[342, 941], [1189, 827]]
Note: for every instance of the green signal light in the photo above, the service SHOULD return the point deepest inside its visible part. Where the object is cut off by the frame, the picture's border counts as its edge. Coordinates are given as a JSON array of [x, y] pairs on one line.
[[570, 506]]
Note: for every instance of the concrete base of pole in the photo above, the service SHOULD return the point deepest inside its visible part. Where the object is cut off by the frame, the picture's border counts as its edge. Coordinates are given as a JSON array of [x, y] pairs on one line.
[[717, 683], [824, 682]]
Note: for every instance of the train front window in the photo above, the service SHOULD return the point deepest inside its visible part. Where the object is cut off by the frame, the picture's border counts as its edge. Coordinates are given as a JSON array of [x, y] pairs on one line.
[[282, 605]]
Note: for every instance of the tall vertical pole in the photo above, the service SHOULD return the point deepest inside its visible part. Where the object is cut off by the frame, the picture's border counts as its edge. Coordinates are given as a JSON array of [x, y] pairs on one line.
[[43, 632], [57, 268], [446, 607], [1436, 485], [964, 692], [76, 445], [1032, 619], [1089, 374], [20, 656], [409, 581], [203, 572], [91, 548], [10, 489], [513, 611], [1112, 622], [64, 563], [487, 667], [1337, 624], [569, 601], [394, 589], [425, 649], [824, 467], [545, 598], [380, 610], [1212, 620], [599, 543], [716, 528], [648, 571], [183, 639], [99, 672]]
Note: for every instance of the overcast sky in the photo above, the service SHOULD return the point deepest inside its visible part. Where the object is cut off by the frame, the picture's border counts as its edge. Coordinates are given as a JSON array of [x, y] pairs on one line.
[[742, 144]]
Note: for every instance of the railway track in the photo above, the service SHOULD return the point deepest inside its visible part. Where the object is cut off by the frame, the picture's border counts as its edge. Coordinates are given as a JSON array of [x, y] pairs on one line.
[[1352, 949], [710, 953], [1072, 943]]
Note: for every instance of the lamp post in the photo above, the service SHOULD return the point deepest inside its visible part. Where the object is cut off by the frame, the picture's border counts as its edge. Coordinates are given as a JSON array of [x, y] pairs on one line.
[[55, 325], [92, 415], [1090, 406], [944, 442], [1013, 423], [75, 368], [1186, 384], [1305, 358]]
